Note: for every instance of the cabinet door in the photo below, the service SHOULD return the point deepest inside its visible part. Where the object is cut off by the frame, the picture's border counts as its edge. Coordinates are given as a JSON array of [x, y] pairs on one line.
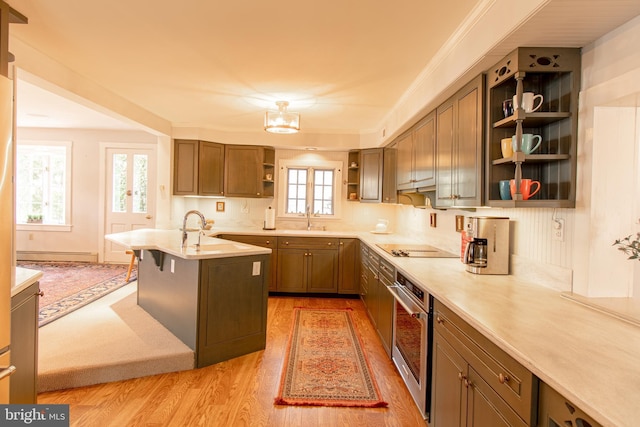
[[322, 270], [292, 270], [444, 159], [486, 408], [389, 186], [404, 165], [185, 167], [449, 394], [386, 304], [468, 153], [371, 175], [349, 271], [243, 171], [373, 284], [424, 151], [211, 169], [24, 345]]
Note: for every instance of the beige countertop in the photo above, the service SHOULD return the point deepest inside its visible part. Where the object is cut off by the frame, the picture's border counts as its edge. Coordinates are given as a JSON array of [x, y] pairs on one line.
[[23, 278], [590, 357], [170, 241]]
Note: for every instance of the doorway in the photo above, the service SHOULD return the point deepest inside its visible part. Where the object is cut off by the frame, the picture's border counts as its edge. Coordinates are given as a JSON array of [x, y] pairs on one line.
[[129, 196]]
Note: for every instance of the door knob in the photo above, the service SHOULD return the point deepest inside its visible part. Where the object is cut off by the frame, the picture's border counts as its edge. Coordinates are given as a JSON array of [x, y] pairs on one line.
[[129, 192]]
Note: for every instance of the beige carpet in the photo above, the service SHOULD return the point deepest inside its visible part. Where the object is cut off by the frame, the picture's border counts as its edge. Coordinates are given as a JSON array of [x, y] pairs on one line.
[[108, 340]]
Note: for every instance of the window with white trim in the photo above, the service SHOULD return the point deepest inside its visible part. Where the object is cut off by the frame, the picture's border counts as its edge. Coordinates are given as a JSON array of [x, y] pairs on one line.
[[314, 185], [43, 176]]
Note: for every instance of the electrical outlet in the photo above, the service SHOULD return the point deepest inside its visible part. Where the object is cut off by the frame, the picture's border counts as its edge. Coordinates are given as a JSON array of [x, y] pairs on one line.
[[432, 219], [558, 230]]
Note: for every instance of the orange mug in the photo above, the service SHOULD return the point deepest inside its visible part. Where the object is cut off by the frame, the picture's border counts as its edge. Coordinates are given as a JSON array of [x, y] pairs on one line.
[[525, 188]]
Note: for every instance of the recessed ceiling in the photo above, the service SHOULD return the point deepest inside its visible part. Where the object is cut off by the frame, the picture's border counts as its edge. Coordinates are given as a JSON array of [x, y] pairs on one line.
[[219, 65]]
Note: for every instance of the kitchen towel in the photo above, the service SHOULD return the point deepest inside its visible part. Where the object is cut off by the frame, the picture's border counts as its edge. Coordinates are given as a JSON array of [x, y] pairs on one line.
[[269, 219]]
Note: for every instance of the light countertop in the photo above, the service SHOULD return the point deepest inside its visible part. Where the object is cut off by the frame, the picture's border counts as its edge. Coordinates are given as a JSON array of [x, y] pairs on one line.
[[170, 242], [23, 278], [590, 357]]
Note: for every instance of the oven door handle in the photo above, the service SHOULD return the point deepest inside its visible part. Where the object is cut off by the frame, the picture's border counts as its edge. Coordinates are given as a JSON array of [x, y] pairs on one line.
[[416, 312]]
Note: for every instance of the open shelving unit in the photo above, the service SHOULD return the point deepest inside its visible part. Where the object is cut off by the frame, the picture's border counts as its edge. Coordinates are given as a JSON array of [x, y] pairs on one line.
[[555, 74], [353, 175]]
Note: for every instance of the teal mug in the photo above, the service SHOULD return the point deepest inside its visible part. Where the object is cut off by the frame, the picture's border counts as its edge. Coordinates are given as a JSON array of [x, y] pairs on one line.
[[528, 143], [505, 189]]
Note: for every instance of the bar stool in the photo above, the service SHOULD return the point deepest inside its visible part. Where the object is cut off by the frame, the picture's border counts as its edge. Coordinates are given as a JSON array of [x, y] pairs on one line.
[[133, 260]]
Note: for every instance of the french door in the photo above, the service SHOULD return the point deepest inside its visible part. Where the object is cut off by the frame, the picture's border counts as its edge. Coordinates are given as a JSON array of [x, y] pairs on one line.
[[129, 195]]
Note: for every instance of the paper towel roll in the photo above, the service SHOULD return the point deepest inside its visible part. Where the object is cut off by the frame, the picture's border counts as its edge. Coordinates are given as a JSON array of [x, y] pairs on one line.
[[269, 219]]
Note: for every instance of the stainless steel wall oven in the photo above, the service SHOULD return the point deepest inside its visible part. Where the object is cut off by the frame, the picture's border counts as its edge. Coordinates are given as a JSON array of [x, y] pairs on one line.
[[413, 329]]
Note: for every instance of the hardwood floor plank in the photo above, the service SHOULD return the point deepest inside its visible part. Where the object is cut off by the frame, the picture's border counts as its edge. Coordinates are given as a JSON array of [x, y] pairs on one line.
[[241, 391]]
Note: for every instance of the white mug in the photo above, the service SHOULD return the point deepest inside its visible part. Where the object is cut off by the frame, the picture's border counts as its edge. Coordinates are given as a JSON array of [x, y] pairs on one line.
[[528, 99]]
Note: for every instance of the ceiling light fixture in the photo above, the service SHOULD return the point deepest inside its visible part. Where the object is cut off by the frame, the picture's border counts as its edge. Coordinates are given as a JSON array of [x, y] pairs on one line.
[[281, 121]]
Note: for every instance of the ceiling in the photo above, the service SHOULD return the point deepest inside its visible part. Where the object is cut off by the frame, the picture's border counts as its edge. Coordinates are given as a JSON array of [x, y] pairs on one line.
[[343, 64]]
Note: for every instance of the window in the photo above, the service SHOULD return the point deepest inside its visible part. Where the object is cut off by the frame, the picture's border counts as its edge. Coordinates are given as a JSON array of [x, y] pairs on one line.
[[43, 175], [315, 186]]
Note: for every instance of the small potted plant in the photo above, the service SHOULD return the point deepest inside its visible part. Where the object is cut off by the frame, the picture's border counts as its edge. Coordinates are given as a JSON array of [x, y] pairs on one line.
[[629, 247], [34, 219]]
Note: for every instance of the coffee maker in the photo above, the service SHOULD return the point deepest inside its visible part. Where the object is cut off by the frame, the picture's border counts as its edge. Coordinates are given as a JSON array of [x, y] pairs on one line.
[[487, 245]]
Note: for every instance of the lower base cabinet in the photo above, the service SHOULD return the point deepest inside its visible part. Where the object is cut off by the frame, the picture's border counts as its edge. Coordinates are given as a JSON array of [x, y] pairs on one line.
[[307, 265], [24, 345], [217, 306], [476, 384]]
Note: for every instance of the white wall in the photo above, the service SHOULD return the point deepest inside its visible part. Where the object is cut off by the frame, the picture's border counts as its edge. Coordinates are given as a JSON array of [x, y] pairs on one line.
[[84, 234]]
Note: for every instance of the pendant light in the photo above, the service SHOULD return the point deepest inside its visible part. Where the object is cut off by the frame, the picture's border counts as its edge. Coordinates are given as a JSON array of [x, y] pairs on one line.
[[281, 121]]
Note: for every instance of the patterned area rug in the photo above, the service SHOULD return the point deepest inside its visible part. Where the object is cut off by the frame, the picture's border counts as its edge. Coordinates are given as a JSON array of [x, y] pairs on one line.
[[67, 286], [325, 364]]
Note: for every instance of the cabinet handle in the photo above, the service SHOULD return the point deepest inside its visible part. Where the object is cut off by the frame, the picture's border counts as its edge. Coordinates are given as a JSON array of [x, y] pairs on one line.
[[467, 383], [257, 194], [7, 371], [460, 376], [502, 378], [440, 320], [329, 243], [341, 243], [286, 243], [40, 293], [268, 242]]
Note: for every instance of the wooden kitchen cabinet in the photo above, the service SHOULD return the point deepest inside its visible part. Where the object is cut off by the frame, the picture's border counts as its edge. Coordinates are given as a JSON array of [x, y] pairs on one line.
[[389, 171], [217, 306], [264, 242], [459, 148], [353, 175], [475, 383], [198, 168], [555, 74], [556, 411], [307, 264], [416, 155], [349, 266], [24, 345], [371, 175], [249, 171]]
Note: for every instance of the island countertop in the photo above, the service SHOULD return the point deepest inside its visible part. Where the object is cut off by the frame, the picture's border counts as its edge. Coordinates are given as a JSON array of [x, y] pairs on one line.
[[170, 242], [23, 278]]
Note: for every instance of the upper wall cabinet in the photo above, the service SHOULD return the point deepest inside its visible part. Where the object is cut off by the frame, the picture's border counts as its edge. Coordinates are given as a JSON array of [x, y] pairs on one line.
[[460, 147], [389, 176], [371, 175], [249, 171], [198, 168], [416, 155], [544, 133]]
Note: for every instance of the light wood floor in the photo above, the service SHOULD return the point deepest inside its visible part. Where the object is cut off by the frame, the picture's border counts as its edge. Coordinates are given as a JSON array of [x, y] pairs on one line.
[[241, 391]]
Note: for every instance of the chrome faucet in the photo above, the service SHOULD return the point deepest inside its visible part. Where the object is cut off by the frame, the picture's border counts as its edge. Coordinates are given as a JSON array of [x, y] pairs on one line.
[[308, 217], [184, 227]]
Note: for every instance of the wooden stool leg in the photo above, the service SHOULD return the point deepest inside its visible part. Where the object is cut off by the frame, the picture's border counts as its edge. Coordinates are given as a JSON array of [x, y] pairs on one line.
[[133, 259]]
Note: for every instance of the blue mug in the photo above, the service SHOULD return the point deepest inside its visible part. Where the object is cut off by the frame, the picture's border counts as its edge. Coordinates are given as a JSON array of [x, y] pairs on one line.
[[505, 190]]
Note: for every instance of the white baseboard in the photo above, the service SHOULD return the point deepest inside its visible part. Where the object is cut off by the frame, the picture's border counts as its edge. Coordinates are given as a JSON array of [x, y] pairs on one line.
[[56, 256]]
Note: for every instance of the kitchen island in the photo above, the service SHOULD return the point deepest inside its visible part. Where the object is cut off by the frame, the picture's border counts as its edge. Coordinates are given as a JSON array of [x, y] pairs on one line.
[[213, 297]]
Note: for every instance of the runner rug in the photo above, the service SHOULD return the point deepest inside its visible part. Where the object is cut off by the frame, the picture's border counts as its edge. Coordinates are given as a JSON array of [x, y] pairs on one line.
[[324, 364], [67, 286]]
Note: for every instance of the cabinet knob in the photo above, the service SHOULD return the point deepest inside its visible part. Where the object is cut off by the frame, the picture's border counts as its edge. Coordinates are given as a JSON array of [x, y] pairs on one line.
[[502, 378], [329, 243], [440, 320], [286, 243], [257, 194], [40, 293], [341, 243]]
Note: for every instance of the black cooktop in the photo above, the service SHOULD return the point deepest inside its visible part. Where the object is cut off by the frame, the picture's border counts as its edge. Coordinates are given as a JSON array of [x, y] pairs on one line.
[[416, 251]]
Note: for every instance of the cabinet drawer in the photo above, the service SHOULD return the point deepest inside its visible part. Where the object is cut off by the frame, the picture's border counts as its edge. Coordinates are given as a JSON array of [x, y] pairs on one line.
[[374, 260], [262, 241], [387, 271], [506, 376], [308, 243]]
